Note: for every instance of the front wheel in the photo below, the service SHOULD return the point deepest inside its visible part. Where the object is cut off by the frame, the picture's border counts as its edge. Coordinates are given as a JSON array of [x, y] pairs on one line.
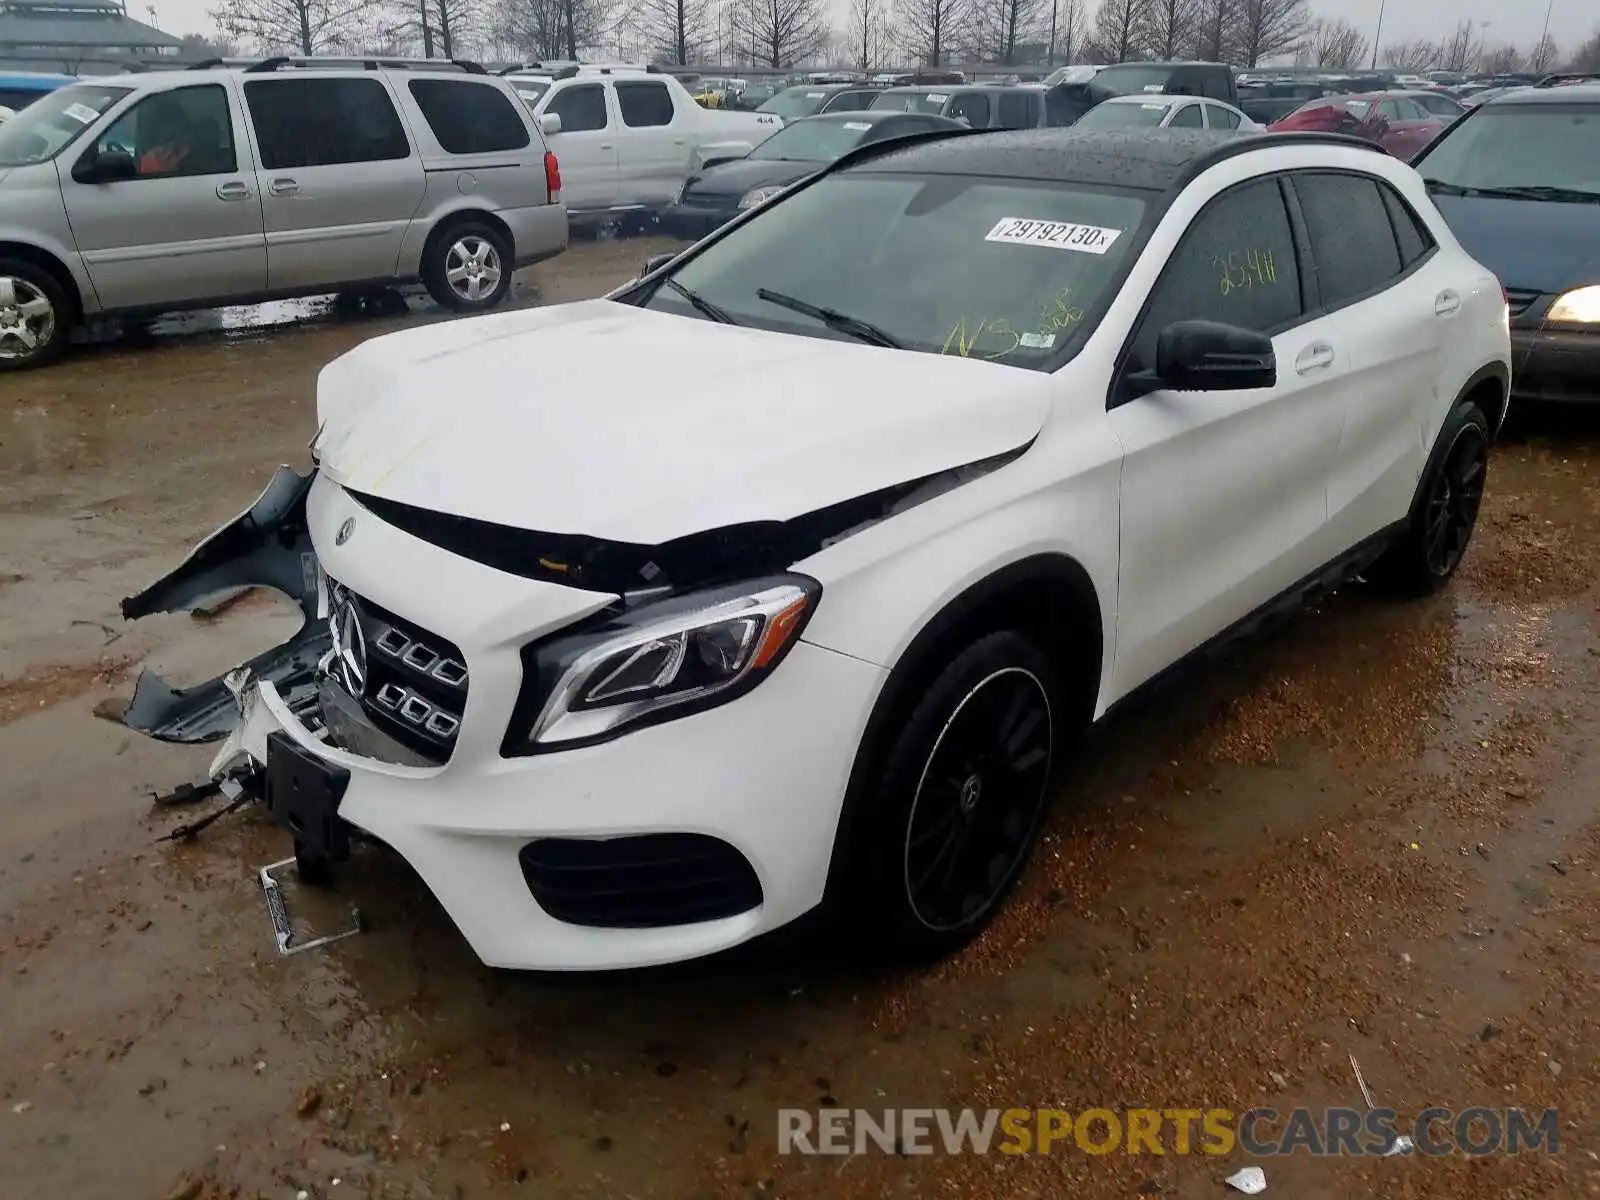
[[467, 267], [35, 318], [954, 807], [1445, 511]]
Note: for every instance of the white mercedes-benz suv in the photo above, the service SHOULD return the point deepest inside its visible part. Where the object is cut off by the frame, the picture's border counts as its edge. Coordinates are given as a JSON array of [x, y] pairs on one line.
[[782, 578]]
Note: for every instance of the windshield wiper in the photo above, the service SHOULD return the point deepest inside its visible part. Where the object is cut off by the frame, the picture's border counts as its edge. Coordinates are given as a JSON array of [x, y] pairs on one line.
[[1530, 192], [832, 318], [1449, 189], [701, 305]]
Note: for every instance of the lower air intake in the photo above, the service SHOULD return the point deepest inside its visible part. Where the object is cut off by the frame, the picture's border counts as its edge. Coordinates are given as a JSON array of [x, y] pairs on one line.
[[644, 882]]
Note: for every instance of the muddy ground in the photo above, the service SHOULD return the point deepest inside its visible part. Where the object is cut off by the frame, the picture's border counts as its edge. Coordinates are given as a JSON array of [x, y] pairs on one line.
[[1374, 831]]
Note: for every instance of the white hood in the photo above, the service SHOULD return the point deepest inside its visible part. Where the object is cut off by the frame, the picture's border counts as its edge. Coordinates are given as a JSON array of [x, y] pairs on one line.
[[616, 422]]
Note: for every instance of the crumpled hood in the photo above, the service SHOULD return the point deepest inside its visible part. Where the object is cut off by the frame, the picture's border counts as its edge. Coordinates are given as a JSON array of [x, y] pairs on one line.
[[1540, 245], [602, 419]]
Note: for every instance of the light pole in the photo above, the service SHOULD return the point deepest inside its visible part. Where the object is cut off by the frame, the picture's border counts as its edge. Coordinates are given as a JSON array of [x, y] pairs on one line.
[[1377, 36], [1549, 5]]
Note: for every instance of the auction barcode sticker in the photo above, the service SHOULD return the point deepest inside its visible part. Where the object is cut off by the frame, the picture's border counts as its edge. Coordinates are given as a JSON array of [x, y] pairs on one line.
[[1060, 235]]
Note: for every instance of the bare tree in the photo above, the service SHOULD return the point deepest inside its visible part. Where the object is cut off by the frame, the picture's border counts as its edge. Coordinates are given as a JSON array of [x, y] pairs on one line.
[[1460, 50], [543, 28], [1587, 57], [999, 27], [1270, 27], [298, 26], [677, 30], [1215, 25], [1118, 27], [930, 29], [1336, 44], [1500, 60], [1544, 54], [1167, 27], [1067, 20], [442, 25], [782, 32], [1416, 55], [199, 47], [870, 35]]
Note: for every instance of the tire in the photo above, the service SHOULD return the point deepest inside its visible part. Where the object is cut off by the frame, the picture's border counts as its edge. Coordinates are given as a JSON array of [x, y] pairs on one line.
[[467, 266], [938, 785], [36, 316], [313, 869], [1445, 510]]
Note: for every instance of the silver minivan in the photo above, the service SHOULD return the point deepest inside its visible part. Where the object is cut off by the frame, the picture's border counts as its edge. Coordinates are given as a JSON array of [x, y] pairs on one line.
[[225, 185]]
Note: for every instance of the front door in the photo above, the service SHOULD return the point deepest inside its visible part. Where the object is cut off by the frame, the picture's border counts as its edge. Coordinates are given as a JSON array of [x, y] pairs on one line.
[[586, 146], [188, 226], [1224, 494], [339, 180], [655, 143]]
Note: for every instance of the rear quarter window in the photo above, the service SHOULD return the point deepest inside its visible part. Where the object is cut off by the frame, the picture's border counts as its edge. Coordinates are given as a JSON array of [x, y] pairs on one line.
[[469, 118]]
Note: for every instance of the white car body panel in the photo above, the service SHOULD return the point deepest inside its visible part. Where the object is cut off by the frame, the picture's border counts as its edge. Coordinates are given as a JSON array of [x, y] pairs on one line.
[[1185, 512]]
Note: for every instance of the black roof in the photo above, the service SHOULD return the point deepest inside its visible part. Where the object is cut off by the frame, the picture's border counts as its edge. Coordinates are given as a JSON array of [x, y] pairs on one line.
[[1154, 159]]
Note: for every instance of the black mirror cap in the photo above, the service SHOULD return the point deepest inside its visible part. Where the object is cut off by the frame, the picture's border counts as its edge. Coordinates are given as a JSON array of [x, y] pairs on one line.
[[655, 262], [1211, 356], [108, 166]]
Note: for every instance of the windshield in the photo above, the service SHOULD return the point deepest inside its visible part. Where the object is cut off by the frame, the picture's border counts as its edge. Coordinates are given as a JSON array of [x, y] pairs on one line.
[[1128, 81], [1069, 75], [819, 141], [53, 122], [530, 89], [1116, 115], [793, 103], [918, 102], [1518, 145], [1010, 271]]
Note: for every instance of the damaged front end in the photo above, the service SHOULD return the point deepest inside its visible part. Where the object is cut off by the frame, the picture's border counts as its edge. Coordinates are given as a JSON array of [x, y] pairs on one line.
[[266, 546]]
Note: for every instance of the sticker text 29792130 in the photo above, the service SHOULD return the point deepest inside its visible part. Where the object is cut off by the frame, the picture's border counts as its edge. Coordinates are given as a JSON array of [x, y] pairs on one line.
[[1057, 235]]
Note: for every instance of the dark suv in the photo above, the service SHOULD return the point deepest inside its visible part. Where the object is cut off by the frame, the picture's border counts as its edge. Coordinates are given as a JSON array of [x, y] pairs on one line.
[[1069, 95], [1518, 179]]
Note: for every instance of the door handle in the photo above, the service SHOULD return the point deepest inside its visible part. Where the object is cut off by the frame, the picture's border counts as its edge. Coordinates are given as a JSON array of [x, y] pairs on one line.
[[1314, 357], [283, 187], [232, 190], [1446, 303], [607, 146]]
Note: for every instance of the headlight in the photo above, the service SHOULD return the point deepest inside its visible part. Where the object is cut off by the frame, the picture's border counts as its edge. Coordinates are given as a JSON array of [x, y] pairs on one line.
[[660, 661], [1579, 307], [757, 196]]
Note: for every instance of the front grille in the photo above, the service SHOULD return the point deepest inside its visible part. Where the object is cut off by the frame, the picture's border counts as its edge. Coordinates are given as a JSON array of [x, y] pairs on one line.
[[644, 882], [416, 681], [1521, 299]]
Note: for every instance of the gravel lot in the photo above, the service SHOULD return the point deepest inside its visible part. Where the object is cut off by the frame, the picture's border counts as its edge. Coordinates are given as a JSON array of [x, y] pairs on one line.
[[1374, 831]]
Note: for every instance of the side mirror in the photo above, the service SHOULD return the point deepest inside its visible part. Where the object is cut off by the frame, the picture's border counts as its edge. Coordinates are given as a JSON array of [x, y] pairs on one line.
[[655, 262], [108, 166], [1209, 356], [550, 123]]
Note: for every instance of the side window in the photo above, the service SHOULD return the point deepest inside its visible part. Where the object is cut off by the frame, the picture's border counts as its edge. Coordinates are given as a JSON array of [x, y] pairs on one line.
[[972, 107], [187, 131], [1185, 81], [1236, 264], [1215, 85], [1389, 109], [582, 109], [644, 104], [324, 122], [1409, 231], [1222, 118], [469, 118], [1188, 117], [1351, 237], [1015, 111]]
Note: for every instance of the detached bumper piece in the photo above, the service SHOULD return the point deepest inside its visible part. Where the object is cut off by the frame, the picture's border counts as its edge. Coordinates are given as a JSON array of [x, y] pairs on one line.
[[643, 882]]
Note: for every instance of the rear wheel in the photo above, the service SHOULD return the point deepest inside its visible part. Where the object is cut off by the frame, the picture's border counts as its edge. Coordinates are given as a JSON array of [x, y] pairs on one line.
[[953, 809], [1445, 511], [467, 267], [35, 316]]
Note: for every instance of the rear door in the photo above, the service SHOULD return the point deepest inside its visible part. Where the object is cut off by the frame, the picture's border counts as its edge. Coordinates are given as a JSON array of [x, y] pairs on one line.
[[1190, 115], [339, 179], [189, 227], [1393, 314], [586, 146], [1220, 117], [970, 107], [655, 144]]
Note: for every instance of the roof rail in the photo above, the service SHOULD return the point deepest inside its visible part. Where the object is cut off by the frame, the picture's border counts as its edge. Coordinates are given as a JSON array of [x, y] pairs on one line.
[[266, 66]]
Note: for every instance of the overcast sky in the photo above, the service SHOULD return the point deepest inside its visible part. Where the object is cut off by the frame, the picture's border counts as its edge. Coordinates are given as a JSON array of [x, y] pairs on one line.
[[1571, 21]]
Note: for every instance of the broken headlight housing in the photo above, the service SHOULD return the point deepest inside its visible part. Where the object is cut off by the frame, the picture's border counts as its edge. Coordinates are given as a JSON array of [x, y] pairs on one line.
[[663, 660]]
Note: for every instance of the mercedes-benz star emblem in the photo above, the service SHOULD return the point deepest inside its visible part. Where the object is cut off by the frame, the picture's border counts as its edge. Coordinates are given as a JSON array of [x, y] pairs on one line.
[[349, 663], [345, 531]]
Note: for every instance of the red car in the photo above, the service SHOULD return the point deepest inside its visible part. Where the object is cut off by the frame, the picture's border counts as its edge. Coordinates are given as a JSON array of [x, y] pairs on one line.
[[1395, 121]]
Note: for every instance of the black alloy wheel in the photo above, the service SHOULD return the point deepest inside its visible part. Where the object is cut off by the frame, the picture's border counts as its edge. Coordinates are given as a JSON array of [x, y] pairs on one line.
[[1451, 510]]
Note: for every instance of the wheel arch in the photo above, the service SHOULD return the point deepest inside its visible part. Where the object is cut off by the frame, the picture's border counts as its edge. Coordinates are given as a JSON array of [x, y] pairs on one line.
[[50, 262], [1049, 597], [1490, 387], [462, 214]]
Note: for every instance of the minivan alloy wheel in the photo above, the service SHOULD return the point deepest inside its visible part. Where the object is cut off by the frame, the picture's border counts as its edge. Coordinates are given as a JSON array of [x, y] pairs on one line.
[[27, 318], [472, 267], [1452, 505], [979, 797]]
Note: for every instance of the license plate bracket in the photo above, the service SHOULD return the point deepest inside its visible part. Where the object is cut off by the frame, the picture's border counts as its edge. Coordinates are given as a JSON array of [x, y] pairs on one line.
[[303, 794]]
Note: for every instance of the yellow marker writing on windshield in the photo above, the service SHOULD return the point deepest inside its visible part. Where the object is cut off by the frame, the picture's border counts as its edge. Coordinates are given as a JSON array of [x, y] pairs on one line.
[[964, 345]]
